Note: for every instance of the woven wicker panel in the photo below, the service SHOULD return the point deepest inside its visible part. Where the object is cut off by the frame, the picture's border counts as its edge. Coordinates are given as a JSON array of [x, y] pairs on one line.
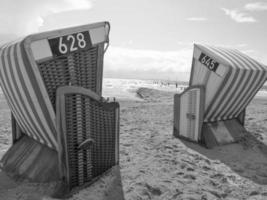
[[78, 69], [85, 119]]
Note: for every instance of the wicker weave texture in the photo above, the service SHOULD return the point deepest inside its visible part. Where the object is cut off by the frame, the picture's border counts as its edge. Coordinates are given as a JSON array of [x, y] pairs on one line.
[[78, 69], [89, 119]]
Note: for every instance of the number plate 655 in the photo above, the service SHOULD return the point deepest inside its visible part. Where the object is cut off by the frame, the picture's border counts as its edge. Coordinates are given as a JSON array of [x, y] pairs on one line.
[[70, 43]]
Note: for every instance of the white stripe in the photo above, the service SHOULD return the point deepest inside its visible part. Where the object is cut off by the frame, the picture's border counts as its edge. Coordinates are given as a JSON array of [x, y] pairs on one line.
[[246, 93], [232, 94], [16, 100], [30, 118], [243, 84], [251, 97], [225, 99], [257, 64], [36, 104], [9, 96], [216, 102], [42, 87], [250, 94]]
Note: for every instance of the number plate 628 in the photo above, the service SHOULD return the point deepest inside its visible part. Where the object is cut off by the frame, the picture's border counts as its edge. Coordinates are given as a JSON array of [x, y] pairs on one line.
[[70, 43]]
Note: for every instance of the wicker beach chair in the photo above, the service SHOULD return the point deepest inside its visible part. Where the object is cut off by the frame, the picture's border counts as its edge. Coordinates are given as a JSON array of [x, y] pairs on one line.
[[62, 128], [222, 83]]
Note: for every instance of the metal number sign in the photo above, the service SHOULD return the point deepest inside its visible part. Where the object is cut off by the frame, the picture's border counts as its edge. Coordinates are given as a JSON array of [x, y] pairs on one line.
[[70, 43], [208, 62]]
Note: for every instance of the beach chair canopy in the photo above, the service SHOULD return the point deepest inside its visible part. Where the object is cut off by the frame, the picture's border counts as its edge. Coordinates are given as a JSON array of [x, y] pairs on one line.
[[231, 79], [222, 83], [32, 69]]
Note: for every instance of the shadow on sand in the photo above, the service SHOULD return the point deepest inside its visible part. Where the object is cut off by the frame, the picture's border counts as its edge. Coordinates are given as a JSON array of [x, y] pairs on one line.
[[107, 187], [247, 157]]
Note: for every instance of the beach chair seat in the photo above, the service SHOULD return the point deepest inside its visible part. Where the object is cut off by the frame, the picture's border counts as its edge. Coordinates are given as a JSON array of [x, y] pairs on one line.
[[230, 80], [32, 70]]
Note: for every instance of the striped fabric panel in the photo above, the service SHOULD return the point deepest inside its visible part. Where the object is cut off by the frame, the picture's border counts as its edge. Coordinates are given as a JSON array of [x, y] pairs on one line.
[[231, 90], [42, 104], [209, 107], [12, 85], [253, 90], [240, 86], [25, 96], [5, 89], [251, 86], [222, 93]]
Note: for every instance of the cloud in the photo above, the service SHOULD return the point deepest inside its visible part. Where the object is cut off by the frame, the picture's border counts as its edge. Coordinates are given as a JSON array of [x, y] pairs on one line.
[[257, 6], [24, 17], [238, 16], [148, 63], [199, 19]]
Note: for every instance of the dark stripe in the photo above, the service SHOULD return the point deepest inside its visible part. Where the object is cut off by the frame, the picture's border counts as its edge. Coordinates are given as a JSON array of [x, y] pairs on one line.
[[259, 66], [19, 98], [226, 97], [226, 106], [29, 99], [3, 85], [242, 92], [37, 90], [223, 90], [208, 110], [250, 89], [10, 92], [32, 125], [209, 107], [192, 71], [255, 90]]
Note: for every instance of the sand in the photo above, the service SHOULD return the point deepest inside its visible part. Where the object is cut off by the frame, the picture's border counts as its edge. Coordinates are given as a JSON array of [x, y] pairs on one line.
[[155, 165]]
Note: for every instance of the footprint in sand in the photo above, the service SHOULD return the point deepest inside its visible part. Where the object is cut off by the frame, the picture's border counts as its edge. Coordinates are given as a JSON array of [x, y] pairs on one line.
[[153, 190], [180, 173], [206, 168], [217, 176], [190, 169], [190, 176]]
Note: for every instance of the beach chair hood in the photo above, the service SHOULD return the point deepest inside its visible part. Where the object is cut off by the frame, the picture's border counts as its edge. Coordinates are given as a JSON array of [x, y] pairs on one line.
[[231, 80], [30, 73]]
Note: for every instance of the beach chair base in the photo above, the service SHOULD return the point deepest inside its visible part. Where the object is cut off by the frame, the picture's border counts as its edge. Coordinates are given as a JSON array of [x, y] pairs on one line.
[[222, 132], [32, 160]]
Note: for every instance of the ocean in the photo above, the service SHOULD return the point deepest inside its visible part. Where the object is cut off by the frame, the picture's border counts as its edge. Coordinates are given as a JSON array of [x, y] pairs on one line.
[[126, 88]]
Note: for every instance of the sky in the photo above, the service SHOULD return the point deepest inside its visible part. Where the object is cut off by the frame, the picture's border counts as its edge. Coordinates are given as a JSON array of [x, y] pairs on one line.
[[149, 39]]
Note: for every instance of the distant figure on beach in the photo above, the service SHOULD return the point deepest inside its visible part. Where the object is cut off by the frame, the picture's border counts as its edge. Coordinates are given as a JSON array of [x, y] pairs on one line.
[[176, 84]]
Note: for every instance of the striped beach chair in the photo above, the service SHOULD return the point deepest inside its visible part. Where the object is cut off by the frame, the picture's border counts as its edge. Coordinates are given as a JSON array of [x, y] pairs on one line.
[[222, 83], [61, 126]]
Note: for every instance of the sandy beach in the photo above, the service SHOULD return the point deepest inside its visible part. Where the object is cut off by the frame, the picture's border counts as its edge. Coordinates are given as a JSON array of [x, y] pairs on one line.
[[155, 165]]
